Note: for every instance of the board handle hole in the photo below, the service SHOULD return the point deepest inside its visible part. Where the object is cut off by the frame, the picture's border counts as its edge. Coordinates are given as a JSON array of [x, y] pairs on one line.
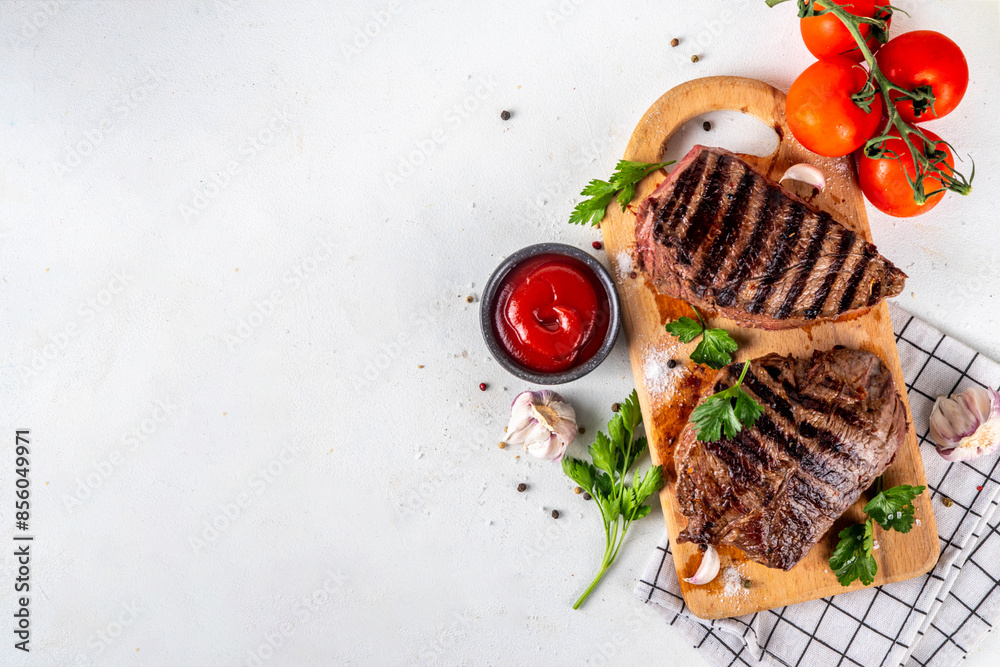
[[729, 129]]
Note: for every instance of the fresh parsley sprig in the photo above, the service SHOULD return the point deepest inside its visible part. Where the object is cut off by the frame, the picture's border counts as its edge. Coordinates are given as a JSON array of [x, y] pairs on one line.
[[622, 183], [726, 411], [716, 347], [620, 503], [892, 509]]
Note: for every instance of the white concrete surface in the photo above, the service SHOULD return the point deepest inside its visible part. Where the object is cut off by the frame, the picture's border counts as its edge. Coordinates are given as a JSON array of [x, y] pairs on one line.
[[231, 234]]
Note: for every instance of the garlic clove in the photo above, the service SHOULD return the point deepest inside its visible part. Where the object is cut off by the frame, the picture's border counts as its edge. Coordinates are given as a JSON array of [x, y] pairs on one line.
[[546, 447], [543, 423], [805, 173], [520, 409], [560, 419], [708, 569], [966, 426]]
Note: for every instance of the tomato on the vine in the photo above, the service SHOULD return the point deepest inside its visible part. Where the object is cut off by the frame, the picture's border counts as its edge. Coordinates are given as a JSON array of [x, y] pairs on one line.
[[825, 35], [821, 113], [884, 180], [920, 58]]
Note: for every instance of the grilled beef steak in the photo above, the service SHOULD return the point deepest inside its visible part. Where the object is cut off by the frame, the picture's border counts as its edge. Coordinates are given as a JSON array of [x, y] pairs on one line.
[[831, 425], [724, 238]]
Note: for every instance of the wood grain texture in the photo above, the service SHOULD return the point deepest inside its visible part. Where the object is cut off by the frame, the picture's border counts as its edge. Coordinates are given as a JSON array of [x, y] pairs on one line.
[[666, 394]]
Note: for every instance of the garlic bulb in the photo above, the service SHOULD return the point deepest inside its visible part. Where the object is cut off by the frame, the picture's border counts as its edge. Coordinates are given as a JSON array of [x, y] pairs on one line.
[[708, 569], [543, 422], [966, 425]]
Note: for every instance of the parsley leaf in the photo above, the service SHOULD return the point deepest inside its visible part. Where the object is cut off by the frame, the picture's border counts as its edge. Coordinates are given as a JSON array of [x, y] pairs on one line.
[[716, 347], [650, 484], [717, 414], [591, 211], [893, 508], [620, 502], [623, 182], [746, 409], [604, 453], [685, 329], [852, 559], [712, 416], [581, 472]]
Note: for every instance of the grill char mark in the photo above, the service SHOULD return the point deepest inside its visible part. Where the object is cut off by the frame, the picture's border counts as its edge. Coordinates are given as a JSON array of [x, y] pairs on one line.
[[766, 216], [846, 244], [744, 463], [792, 447], [826, 440], [815, 245], [769, 397], [707, 211], [684, 188], [876, 292], [779, 260], [859, 272], [730, 225]]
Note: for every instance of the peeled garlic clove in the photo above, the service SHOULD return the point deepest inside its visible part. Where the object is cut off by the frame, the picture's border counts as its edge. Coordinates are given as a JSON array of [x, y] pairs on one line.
[[543, 422], [967, 425], [708, 569], [805, 173]]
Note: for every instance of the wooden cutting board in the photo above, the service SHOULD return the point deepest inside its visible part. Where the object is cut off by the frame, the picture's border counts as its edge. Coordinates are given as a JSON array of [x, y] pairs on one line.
[[667, 395]]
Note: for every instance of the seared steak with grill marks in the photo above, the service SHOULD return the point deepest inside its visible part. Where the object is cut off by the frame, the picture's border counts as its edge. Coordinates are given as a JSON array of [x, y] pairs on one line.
[[831, 425], [724, 238]]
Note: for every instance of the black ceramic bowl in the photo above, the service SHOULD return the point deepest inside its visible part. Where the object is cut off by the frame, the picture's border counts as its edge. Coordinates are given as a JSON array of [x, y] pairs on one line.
[[490, 294]]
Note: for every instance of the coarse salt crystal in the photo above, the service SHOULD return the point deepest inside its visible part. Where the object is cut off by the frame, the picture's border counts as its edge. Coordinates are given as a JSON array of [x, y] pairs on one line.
[[625, 264], [733, 582], [660, 378]]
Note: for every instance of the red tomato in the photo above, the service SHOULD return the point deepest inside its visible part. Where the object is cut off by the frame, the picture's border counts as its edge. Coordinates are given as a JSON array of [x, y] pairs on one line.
[[884, 181], [820, 111], [826, 35], [925, 57]]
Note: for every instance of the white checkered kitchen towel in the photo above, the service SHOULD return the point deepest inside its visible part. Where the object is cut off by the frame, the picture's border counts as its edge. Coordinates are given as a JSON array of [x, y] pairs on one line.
[[930, 620]]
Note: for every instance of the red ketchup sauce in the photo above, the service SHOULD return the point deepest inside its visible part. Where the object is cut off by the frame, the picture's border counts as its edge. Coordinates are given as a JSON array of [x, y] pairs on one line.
[[551, 313]]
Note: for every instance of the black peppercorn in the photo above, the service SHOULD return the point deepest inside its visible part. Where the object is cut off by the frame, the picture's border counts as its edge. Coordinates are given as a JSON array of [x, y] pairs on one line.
[[504, 115], [522, 486]]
